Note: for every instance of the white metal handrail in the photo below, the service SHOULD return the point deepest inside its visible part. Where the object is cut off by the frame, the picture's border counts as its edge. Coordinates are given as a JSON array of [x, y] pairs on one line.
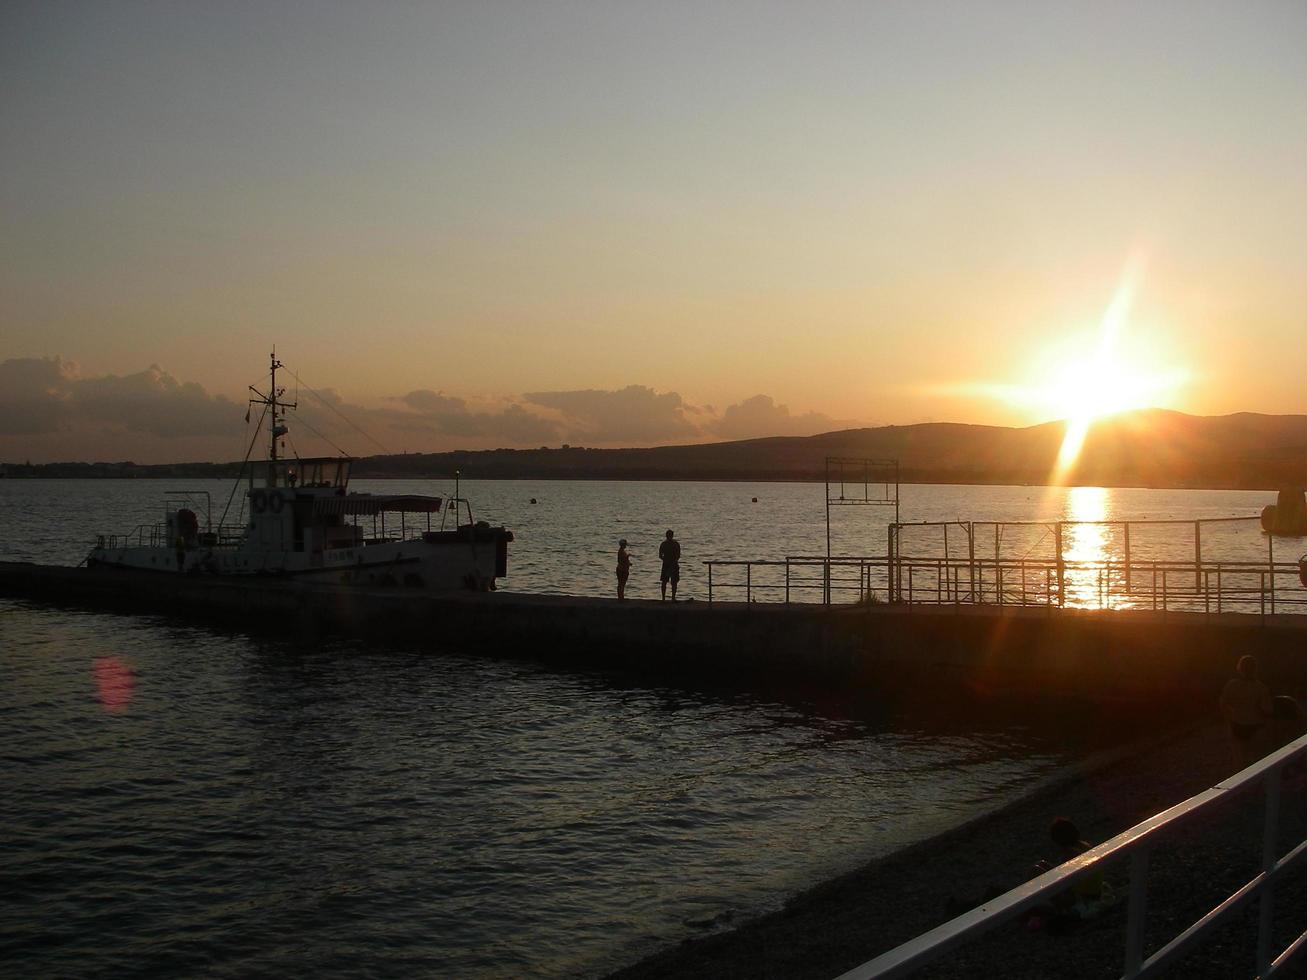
[[1135, 843]]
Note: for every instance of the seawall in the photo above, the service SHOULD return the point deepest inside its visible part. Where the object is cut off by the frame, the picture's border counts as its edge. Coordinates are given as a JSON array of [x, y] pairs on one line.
[[1165, 662]]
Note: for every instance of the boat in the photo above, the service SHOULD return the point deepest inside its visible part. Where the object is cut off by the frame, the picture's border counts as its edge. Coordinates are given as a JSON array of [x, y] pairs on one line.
[[301, 522]]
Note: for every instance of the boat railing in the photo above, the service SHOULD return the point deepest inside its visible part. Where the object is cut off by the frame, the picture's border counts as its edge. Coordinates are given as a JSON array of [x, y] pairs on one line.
[[227, 536], [156, 536], [1136, 845], [1210, 587]]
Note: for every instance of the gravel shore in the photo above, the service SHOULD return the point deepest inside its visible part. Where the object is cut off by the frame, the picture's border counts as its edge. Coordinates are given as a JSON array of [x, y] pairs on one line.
[[837, 925]]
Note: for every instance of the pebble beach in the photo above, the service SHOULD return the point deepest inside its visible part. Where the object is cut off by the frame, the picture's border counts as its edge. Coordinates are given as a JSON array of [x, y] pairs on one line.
[[839, 924]]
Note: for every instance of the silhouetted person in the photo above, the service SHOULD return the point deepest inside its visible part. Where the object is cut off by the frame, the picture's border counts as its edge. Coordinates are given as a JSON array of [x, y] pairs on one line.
[[1246, 704], [623, 568], [670, 553], [1084, 899]]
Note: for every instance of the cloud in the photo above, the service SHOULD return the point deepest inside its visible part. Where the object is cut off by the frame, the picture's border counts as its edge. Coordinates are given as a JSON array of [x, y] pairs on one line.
[[634, 414], [760, 416], [45, 395], [49, 411], [435, 412], [35, 395], [154, 401]]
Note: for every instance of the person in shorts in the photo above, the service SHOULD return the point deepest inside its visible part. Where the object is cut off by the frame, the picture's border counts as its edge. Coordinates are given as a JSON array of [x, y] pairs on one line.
[[670, 553], [1246, 704]]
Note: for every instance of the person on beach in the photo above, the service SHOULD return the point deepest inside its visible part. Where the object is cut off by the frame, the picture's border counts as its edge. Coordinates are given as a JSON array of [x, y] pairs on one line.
[[623, 568], [1246, 704], [1086, 897], [670, 554]]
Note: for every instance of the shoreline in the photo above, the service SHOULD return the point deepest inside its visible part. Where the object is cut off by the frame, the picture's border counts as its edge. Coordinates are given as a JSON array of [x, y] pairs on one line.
[[838, 924], [601, 477]]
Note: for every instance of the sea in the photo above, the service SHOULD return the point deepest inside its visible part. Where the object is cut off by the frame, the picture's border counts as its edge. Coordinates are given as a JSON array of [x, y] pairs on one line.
[[185, 800]]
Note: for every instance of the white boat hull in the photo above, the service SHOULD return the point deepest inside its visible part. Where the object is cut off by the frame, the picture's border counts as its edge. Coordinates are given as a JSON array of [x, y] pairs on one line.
[[431, 565]]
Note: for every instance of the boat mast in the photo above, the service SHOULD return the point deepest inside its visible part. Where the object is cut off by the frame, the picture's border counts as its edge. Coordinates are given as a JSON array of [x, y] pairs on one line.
[[276, 426]]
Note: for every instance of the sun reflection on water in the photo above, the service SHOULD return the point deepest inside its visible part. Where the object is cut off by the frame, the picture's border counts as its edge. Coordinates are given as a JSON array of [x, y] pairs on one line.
[[1086, 547]]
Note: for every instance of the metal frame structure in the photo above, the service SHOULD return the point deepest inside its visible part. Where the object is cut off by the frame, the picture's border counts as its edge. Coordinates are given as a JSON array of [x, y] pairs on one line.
[[845, 470], [972, 577], [1135, 843]]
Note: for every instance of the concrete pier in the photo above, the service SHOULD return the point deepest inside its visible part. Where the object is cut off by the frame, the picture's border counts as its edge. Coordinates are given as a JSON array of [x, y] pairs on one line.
[[1168, 662]]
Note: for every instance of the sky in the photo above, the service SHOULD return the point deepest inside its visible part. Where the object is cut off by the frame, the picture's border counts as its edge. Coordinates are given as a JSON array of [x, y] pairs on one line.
[[469, 225]]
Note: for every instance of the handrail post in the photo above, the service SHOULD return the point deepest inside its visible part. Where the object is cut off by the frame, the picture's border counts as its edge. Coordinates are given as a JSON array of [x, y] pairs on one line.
[[998, 548], [971, 559], [1270, 564], [1266, 903], [889, 561], [1134, 929], [748, 582], [710, 583], [1061, 567], [1127, 558], [787, 580]]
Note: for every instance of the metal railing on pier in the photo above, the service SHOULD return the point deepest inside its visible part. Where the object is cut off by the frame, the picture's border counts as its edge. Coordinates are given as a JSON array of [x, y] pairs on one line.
[[1227, 565], [1136, 844], [798, 579], [1163, 586]]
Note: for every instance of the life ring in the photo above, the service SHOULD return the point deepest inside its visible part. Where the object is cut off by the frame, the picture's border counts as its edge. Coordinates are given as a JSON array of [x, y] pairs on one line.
[[274, 502], [258, 501]]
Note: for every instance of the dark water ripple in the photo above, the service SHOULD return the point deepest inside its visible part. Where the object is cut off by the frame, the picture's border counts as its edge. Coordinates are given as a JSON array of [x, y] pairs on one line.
[[185, 802]]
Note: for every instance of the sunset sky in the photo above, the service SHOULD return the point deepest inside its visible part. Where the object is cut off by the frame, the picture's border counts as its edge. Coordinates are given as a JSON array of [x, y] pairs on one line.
[[515, 224]]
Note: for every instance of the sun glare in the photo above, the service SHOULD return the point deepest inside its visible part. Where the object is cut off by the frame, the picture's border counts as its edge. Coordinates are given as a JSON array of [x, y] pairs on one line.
[[1101, 376]]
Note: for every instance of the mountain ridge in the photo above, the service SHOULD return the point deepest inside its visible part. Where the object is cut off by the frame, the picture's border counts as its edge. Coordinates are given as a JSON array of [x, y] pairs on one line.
[[1146, 447]]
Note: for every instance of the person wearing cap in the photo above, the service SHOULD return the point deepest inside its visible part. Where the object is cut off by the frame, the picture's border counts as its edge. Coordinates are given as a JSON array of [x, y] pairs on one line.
[[670, 553], [623, 568]]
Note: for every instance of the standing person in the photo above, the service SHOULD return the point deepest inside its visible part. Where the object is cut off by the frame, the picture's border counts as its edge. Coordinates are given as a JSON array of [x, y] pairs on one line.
[[1246, 704], [623, 568], [670, 553]]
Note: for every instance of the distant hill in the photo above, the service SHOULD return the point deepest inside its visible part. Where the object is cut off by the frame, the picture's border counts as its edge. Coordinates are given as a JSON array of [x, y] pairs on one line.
[[1145, 448]]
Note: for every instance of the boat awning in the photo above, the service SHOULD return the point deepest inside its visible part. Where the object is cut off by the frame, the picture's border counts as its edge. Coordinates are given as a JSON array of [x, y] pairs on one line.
[[365, 504]]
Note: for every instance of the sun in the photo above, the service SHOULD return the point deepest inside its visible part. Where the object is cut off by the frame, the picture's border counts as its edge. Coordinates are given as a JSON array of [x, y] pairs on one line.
[[1104, 382], [1101, 372]]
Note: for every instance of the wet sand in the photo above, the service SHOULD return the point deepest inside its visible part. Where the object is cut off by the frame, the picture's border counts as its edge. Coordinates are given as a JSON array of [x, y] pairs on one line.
[[834, 927]]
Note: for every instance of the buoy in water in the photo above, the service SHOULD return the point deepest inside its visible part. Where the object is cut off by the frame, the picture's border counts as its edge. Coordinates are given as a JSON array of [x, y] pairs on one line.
[[755, 500], [1288, 515], [533, 500]]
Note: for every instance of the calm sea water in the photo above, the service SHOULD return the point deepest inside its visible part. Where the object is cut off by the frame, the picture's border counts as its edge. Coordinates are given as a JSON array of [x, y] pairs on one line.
[[187, 801]]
